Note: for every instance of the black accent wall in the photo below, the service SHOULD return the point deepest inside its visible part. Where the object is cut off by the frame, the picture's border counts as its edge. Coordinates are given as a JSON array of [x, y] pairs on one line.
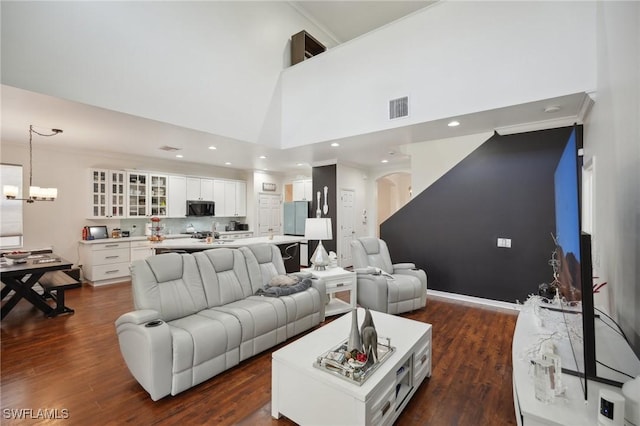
[[502, 189], [325, 176]]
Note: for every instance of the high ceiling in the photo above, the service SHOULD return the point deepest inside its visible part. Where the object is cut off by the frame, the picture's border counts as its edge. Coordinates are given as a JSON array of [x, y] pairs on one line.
[[346, 20], [122, 133]]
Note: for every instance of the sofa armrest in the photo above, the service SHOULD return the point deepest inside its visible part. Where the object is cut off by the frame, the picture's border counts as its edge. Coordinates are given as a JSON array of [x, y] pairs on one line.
[[399, 266], [372, 292], [319, 284], [146, 346], [369, 270], [138, 317], [421, 275]]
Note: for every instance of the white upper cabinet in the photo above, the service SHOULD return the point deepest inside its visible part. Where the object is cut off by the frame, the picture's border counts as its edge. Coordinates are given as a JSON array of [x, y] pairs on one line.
[[230, 198], [108, 194], [302, 190], [132, 194], [177, 196], [200, 189], [147, 194]]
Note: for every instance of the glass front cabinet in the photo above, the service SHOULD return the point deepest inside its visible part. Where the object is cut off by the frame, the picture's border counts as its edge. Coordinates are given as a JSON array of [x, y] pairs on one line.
[[147, 194], [158, 189], [107, 194]]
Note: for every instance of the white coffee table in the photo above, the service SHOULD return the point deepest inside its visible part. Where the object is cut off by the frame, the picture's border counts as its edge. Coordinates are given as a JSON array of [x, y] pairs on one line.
[[337, 280], [310, 396]]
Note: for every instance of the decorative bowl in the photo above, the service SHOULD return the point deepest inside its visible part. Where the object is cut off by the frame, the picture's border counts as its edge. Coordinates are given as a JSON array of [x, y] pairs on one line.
[[17, 255]]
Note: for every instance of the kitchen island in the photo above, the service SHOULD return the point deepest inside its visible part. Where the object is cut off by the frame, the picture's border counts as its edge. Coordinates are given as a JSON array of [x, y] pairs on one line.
[[107, 261], [193, 244]]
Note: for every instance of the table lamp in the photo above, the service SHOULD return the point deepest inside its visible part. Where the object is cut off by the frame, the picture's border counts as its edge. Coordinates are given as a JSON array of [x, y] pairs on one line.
[[318, 229]]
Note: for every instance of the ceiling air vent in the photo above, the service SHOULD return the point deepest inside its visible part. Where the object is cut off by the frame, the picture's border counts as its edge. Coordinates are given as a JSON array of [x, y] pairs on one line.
[[169, 148], [399, 107]]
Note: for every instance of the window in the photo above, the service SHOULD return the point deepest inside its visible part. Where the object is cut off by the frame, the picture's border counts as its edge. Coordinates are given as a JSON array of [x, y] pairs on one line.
[[11, 210]]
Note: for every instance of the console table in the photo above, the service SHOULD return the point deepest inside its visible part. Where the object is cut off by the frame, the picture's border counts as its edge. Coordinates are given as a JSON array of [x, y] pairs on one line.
[[570, 409], [310, 396]]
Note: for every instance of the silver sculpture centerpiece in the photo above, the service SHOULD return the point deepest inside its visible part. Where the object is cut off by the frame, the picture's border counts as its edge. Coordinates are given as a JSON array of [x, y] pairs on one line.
[[356, 358]]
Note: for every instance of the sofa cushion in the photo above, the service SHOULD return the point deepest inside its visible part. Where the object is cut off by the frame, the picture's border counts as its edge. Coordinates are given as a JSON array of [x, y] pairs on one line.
[[169, 284], [224, 276], [263, 322], [264, 261]]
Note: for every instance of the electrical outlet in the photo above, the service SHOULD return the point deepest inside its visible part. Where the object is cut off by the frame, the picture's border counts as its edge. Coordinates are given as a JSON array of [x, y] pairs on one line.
[[504, 242]]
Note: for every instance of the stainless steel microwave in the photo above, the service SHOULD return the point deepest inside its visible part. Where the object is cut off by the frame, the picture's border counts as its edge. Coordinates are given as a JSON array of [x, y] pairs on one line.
[[200, 208]]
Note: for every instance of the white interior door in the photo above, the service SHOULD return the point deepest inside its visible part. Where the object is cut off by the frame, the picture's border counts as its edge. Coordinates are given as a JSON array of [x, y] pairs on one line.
[[347, 227], [269, 214]]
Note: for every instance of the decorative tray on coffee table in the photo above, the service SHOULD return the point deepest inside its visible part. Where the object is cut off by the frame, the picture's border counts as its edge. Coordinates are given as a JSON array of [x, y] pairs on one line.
[[336, 362]]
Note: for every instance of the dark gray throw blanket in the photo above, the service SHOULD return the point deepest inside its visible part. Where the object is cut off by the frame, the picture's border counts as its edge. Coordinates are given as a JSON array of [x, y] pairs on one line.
[[284, 290]]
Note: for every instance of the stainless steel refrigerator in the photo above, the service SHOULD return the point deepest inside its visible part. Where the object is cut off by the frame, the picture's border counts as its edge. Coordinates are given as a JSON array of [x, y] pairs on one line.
[[295, 214]]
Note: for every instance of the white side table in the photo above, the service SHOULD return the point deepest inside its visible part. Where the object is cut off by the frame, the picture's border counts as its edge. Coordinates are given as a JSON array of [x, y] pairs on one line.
[[337, 280]]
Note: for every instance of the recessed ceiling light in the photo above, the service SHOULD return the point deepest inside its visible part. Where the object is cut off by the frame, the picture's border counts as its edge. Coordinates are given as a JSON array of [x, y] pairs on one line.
[[453, 123], [552, 108], [179, 155], [335, 144], [212, 147], [262, 157], [227, 163], [300, 164], [384, 161]]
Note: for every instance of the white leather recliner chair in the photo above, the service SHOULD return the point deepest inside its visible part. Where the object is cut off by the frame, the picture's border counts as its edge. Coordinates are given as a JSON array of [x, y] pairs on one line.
[[382, 285]]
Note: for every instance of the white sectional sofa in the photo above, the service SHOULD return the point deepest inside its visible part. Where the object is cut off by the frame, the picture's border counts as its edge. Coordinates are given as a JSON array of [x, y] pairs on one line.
[[197, 315]]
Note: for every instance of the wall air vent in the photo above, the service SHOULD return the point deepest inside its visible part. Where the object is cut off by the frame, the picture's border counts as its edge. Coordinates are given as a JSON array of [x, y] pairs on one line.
[[169, 148], [399, 108]]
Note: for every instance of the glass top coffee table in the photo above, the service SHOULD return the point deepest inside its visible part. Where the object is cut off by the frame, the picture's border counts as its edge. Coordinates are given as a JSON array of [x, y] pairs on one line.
[[307, 395]]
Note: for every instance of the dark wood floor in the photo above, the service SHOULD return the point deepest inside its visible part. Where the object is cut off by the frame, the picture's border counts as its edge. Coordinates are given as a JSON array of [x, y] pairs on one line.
[[73, 363]]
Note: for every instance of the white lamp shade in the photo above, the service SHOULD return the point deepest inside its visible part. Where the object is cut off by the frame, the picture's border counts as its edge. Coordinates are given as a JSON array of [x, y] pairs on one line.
[[37, 193], [318, 229], [10, 191]]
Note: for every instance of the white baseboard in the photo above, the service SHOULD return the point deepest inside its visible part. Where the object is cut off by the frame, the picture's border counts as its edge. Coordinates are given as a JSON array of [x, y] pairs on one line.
[[475, 300]]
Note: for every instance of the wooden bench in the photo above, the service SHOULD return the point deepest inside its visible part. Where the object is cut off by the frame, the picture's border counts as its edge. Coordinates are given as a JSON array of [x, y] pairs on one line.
[[54, 284]]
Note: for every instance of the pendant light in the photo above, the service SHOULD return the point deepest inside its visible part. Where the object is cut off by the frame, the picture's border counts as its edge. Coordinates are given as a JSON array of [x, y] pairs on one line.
[[36, 193]]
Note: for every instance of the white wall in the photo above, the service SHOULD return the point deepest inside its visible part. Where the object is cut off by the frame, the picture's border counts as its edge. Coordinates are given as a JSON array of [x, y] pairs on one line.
[[394, 191], [612, 136], [60, 223], [430, 160], [208, 65], [451, 59]]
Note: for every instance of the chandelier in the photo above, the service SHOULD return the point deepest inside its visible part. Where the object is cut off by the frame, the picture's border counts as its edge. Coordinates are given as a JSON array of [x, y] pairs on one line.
[[36, 193]]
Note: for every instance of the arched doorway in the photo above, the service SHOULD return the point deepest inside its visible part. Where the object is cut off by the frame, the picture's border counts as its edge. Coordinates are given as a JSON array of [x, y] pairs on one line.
[[394, 191]]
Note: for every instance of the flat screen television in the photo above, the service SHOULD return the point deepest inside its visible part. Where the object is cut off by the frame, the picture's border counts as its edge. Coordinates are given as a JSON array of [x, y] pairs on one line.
[[575, 276]]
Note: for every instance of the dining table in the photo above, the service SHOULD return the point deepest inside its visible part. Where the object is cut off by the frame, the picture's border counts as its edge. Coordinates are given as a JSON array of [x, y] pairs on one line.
[[21, 277]]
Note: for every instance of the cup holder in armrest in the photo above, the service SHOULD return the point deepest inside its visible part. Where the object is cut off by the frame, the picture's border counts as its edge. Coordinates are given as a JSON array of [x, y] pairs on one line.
[[153, 323]]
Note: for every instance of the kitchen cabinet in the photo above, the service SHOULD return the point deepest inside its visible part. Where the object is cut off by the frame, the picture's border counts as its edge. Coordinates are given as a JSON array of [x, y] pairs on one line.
[[200, 189], [105, 262], [236, 235], [147, 194], [230, 197], [302, 190], [108, 194], [140, 250], [177, 196]]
